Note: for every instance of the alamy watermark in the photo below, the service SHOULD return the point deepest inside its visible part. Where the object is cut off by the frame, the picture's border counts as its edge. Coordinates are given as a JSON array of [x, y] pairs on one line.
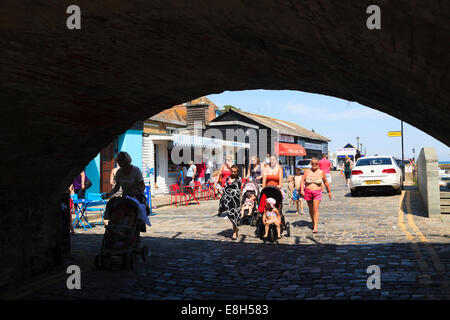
[[213, 144], [374, 280], [74, 280], [374, 20], [74, 20]]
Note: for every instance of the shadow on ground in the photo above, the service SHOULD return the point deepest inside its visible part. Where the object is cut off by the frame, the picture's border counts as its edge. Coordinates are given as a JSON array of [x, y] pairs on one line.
[[203, 269]]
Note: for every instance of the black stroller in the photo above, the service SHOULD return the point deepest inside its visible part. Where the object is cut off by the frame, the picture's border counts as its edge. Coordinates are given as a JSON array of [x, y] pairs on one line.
[[275, 193], [122, 235], [249, 218]]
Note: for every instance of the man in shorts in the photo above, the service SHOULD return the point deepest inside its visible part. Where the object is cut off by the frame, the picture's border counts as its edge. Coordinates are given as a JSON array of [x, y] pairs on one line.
[[325, 165]]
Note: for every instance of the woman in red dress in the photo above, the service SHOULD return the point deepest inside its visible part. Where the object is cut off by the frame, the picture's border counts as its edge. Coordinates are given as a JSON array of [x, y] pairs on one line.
[[224, 171], [273, 174]]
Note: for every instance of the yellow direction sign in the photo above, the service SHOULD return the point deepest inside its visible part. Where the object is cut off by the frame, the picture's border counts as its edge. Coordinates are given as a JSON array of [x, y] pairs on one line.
[[394, 134]]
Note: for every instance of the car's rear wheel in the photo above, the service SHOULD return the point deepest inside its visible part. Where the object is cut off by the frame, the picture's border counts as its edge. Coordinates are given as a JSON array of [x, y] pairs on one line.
[[354, 193]]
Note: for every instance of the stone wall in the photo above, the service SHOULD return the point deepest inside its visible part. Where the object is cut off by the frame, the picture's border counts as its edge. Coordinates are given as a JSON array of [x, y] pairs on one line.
[[32, 240], [428, 181]]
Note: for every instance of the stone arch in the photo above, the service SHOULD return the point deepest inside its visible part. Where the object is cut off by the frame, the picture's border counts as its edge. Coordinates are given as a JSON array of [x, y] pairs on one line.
[[65, 93]]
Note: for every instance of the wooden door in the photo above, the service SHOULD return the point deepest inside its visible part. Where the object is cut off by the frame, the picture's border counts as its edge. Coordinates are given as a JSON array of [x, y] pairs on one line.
[[107, 163]]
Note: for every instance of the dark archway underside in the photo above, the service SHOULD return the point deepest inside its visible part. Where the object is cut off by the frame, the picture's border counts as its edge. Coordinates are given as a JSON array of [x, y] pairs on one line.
[[66, 93]]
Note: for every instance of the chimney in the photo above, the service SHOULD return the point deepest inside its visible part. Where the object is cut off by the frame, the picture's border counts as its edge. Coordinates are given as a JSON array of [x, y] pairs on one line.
[[197, 112]]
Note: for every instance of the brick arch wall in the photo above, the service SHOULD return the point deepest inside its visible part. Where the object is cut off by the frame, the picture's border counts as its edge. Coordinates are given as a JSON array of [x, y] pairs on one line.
[[65, 94]]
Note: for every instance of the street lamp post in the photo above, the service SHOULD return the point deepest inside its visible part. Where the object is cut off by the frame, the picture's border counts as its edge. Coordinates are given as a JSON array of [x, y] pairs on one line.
[[403, 153], [357, 143]]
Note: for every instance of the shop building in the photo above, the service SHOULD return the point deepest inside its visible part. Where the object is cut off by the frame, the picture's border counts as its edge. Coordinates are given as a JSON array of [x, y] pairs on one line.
[[182, 127], [348, 150], [289, 141]]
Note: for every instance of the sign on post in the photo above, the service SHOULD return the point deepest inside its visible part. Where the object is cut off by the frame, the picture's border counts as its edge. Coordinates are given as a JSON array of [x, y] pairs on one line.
[[394, 134]]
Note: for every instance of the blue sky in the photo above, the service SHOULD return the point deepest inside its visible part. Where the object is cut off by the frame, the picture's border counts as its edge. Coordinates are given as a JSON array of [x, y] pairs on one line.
[[335, 119]]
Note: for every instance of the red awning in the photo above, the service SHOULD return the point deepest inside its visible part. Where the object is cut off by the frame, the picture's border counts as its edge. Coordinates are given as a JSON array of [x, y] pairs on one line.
[[289, 149]]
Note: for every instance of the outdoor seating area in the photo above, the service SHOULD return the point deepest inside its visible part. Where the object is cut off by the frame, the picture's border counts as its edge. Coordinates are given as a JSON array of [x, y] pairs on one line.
[[81, 207], [196, 191]]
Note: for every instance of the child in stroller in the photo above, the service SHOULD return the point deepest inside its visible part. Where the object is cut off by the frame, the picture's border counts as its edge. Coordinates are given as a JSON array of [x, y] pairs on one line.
[[271, 216], [248, 206], [250, 192], [266, 224]]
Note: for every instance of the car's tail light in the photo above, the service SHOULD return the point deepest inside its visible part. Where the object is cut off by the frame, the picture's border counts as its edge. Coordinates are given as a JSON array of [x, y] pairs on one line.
[[392, 170], [356, 172]]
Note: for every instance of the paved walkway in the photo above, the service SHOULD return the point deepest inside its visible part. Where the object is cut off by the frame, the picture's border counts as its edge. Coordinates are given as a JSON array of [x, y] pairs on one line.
[[193, 257]]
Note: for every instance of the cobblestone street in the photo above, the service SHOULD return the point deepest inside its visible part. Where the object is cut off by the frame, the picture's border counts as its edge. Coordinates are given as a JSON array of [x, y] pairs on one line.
[[193, 256]]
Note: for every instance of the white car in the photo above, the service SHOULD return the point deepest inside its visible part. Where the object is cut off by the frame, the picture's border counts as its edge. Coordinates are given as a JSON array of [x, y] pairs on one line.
[[375, 173], [304, 164]]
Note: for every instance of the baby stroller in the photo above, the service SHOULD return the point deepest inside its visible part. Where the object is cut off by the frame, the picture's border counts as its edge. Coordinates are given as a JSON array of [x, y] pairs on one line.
[[121, 237], [275, 193], [249, 218]]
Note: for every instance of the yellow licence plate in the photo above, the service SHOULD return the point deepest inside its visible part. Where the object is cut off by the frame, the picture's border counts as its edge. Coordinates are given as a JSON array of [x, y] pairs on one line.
[[373, 182]]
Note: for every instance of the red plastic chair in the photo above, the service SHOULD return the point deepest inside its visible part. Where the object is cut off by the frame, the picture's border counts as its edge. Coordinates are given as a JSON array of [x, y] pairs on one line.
[[209, 191], [199, 189], [176, 192]]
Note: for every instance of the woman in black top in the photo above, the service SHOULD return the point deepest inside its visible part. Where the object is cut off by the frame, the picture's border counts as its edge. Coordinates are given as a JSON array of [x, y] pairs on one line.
[[254, 170]]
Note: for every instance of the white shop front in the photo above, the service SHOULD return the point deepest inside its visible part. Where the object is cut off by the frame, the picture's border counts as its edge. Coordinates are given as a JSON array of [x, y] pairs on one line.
[[341, 153], [160, 170]]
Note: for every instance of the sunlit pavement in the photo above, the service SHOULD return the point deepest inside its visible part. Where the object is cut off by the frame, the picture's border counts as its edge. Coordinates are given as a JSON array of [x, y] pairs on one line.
[[193, 256]]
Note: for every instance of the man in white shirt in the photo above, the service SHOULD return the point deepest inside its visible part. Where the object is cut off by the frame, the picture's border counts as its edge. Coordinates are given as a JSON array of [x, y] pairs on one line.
[[209, 169]]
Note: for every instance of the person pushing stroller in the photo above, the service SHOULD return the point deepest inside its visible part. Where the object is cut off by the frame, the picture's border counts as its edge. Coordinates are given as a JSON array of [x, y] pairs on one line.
[[127, 215], [130, 178]]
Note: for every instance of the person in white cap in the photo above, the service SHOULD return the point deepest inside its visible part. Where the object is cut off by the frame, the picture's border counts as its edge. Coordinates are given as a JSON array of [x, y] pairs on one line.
[[271, 215]]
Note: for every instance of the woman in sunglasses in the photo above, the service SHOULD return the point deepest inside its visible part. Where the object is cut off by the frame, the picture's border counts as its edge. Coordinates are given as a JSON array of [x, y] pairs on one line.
[[311, 190]]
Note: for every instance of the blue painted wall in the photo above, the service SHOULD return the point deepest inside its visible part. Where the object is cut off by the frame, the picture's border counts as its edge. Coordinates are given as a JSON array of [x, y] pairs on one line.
[[131, 142], [92, 170]]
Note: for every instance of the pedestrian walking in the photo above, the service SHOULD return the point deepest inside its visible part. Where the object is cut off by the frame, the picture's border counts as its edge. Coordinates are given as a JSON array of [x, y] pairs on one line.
[[254, 171], [71, 208], [347, 168], [273, 174], [209, 169], [180, 177], [325, 165], [296, 196], [224, 171], [80, 184], [311, 190], [190, 175], [230, 202], [130, 179], [200, 172], [266, 162], [291, 189]]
